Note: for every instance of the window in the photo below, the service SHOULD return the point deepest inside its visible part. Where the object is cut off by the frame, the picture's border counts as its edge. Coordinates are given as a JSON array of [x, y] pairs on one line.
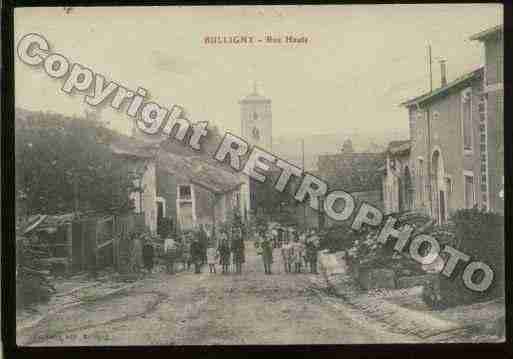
[[466, 117], [469, 191], [186, 207], [185, 192]]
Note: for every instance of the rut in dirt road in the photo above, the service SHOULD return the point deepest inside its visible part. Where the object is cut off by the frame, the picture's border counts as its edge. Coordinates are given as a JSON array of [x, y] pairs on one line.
[[232, 309]]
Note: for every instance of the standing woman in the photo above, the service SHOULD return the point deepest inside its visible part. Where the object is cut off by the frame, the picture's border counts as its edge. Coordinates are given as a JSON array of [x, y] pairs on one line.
[[287, 253], [224, 252], [137, 260], [267, 253], [186, 251], [298, 255], [237, 249]]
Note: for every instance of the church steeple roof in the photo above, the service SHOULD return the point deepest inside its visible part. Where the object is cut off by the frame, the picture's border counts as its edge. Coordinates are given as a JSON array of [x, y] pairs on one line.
[[254, 96]]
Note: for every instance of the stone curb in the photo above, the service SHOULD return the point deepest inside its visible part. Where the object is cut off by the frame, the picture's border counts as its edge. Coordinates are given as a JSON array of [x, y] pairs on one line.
[[398, 319]]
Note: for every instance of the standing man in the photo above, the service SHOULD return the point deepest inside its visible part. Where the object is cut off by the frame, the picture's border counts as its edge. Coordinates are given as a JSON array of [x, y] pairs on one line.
[[311, 253], [148, 253], [203, 239], [267, 253]]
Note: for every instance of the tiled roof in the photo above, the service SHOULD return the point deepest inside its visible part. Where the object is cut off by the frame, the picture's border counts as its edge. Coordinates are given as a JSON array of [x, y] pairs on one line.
[[198, 171], [128, 146], [430, 95], [395, 147]]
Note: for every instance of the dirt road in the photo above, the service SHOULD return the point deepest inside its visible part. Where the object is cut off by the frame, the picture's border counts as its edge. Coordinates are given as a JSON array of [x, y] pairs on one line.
[[206, 309]]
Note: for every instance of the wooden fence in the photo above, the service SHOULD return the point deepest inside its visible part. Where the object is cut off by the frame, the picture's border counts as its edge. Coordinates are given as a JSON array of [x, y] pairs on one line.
[[103, 241]]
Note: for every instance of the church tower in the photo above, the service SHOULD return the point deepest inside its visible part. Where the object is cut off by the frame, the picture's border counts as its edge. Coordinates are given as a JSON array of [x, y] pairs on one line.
[[256, 120], [256, 129]]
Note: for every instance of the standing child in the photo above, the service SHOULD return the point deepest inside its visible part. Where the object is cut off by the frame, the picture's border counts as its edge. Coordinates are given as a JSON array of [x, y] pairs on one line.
[[211, 258], [171, 254], [298, 255]]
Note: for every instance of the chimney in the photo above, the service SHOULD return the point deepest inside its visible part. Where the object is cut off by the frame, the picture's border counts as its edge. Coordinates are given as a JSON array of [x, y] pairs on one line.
[[443, 73]]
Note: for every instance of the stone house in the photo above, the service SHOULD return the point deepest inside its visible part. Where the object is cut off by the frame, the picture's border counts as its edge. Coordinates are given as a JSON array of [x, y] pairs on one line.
[[191, 191], [140, 158], [185, 190], [492, 113], [445, 154], [456, 132], [355, 172]]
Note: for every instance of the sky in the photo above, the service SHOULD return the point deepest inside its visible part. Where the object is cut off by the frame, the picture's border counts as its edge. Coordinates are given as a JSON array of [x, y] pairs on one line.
[[359, 64]]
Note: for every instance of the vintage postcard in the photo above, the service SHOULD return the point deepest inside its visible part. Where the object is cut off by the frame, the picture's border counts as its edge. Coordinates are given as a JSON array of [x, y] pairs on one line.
[[256, 175]]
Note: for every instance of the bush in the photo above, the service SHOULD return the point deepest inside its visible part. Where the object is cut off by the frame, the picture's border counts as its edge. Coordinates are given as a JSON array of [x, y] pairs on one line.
[[337, 238], [480, 235]]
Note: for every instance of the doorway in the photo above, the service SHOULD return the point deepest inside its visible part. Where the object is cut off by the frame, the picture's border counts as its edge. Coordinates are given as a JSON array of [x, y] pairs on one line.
[[438, 190]]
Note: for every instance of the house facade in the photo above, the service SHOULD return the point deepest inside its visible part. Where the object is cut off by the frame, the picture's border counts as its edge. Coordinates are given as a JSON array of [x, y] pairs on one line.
[[492, 113], [182, 191], [140, 160], [398, 191], [456, 155], [191, 192], [445, 155]]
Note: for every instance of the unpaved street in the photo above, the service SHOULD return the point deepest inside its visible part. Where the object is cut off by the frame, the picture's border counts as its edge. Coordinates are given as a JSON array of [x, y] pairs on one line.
[[205, 309]]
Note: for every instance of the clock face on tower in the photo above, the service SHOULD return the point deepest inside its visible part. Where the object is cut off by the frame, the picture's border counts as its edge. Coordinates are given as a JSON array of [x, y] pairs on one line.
[[256, 133]]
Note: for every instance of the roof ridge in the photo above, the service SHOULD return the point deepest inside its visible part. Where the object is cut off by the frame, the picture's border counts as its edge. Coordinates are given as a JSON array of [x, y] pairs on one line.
[[450, 84]]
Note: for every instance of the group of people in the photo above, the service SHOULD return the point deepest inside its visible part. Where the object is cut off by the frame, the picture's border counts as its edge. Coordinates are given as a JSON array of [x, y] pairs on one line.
[[189, 249], [226, 248], [296, 249], [197, 248], [229, 251]]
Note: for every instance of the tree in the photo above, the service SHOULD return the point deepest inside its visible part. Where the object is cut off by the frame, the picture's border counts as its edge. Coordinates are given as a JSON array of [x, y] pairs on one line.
[[63, 164]]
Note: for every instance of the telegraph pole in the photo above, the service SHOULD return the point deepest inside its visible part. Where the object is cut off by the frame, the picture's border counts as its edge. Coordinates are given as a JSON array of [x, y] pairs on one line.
[[303, 165], [430, 69], [428, 122], [75, 190]]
